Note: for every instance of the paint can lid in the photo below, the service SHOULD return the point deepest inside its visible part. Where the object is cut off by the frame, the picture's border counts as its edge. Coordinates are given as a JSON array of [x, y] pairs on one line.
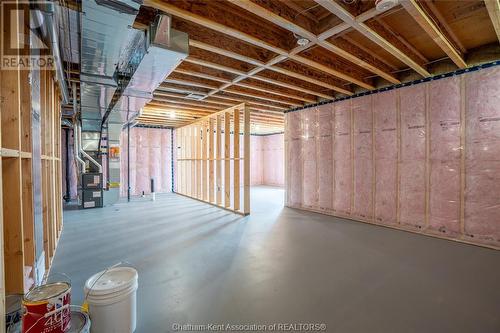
[[80, 322], [47, 291], [114, 280]]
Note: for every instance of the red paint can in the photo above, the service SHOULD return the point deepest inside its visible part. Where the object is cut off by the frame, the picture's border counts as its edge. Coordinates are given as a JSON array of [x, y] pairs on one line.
[[47, 309]]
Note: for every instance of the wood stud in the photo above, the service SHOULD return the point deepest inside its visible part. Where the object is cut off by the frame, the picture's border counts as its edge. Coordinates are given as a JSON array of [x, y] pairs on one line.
[[200, 148], [17, 208]]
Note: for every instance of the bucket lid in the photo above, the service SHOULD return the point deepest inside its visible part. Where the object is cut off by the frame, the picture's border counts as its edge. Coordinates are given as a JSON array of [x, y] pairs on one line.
[[47, 291], [79, 322], [115, 279]]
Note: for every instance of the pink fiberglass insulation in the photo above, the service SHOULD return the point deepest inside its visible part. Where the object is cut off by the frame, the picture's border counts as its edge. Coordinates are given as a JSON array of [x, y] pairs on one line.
[[482, 164], [273, 159], [73, 177], [427, 139], [342, 157], [309, 157], [142, 162], [294, 172], [325, 154], [256, 162], [363, 169], [445, 152], [413, 146], [150, 157], [386, 147]]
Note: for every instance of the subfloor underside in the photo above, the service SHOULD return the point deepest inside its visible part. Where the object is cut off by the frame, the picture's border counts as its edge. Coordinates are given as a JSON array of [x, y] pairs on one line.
[[199, 264]]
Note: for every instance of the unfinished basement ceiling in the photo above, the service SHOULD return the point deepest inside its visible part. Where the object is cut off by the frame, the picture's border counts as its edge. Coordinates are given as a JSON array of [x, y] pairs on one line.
[[248, 51]]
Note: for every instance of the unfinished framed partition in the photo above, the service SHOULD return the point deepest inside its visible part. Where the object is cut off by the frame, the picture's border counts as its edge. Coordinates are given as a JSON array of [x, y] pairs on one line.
[[17, 205], [211, 155]]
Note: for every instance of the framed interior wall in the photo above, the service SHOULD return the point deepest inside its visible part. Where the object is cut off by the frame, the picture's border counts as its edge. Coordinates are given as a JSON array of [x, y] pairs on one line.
[[213, 159]]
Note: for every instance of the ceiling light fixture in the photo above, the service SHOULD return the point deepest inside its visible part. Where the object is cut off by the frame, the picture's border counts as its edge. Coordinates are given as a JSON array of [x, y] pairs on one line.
[[302, 41]]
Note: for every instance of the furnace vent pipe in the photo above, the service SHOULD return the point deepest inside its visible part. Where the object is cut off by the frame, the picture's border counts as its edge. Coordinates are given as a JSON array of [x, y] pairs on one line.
[[76, 145], [83, 152]]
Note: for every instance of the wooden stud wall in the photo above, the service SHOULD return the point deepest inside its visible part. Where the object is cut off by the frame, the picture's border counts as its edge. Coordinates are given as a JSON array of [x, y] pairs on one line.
[[201, 174], [17, 208]]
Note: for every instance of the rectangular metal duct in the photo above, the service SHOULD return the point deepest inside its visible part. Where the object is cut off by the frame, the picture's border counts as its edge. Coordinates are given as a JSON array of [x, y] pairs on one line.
[[164, 49], [106, 34]]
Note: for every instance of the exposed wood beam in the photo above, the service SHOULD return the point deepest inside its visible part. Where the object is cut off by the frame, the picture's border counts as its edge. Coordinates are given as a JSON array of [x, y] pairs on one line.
[[310, 79], [251, 73], [214, 65], [226, 53], [369, 14], [245, 100], [161, 98], [180, 115], [349, 52], [176, 89], [202, 75], [253, 86], [186, 15], [329, 70], [493, 7], [371, 34], [263, 97], [270, 91], [426, 22], [291, 86], [253, 106], [190, 83], [296, 29], [445, 26]]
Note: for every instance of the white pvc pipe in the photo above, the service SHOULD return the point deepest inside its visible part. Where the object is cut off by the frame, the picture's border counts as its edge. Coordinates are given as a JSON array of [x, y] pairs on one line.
[[83, 152]]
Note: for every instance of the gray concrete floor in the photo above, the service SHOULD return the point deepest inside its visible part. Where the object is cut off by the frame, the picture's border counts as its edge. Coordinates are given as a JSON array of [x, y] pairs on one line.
[[199, 264]]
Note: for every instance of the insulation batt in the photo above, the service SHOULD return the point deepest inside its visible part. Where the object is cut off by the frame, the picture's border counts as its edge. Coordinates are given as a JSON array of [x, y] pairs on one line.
[[423, 158], [150, 158]]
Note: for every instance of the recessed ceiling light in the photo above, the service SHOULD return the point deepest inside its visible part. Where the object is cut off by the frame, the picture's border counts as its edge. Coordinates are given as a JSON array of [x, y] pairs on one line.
[[302, 41]]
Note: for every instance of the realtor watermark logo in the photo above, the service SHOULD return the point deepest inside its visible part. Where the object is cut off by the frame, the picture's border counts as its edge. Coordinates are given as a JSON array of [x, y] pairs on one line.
[[21, 48]]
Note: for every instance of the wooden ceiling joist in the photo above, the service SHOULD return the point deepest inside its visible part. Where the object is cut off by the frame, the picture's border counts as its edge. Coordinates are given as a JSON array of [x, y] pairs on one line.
[[190, 83], [493, 7], [251, 74], [339, 28], [311, 79], [268, 96], [373, 35], [230, 54], [201, 75], [190, 80], [272, 91], [186, 15], [291, 86], [426, 22], [189, 16], [269, 15], [214, 66]]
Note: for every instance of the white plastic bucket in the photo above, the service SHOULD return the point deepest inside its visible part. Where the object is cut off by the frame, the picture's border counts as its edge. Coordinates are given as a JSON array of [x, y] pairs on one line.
[[112, 296]]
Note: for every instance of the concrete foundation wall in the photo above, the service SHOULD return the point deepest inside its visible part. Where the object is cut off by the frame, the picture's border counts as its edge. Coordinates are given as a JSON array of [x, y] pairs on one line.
[[424, 158]]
